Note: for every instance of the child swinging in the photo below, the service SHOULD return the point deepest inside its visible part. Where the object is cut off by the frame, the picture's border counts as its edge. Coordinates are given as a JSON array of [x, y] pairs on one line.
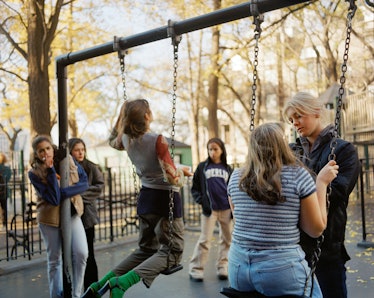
[[149, 153]]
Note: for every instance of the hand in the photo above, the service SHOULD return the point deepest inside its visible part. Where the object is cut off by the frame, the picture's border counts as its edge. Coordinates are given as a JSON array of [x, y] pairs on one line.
[[48, 161], [187, 171], [328, 172]]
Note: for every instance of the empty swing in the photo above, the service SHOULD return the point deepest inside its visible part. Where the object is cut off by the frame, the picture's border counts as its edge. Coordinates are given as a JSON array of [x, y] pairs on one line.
[[228, 291], [171, 266]]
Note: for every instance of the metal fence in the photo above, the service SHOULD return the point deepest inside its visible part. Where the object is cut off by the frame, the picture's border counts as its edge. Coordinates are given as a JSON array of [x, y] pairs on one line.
[[366, 192], [20, 239]]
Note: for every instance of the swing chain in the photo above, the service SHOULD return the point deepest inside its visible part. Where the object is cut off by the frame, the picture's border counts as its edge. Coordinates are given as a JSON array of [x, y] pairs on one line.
[[258, 19], [171, 193], [175, 40], [332, 156], [135, 179], [174, 99], [121, 57], [313, 265], [122, 63]]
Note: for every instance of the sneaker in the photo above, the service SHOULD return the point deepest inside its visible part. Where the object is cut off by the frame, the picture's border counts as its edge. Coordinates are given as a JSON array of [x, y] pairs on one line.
[[196, 277], [222, 273]]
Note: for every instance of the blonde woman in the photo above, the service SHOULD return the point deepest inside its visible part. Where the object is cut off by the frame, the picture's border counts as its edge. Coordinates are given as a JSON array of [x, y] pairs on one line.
[[306, 113]]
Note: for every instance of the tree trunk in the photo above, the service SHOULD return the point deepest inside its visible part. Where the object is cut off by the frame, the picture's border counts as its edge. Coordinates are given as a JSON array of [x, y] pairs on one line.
[[212, 104], [38, 79], [280, 87], [331, 62], [194, 121]]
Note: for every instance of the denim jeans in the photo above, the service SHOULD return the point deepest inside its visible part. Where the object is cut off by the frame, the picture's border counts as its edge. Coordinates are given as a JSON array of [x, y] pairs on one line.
[[79, 250], [52, 240], [272, 272]]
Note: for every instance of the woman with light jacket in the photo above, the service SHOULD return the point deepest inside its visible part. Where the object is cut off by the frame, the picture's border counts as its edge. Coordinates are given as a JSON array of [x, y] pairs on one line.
[[90, 217]]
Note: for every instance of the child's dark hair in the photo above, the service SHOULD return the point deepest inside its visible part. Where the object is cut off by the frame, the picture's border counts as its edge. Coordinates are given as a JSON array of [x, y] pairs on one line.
[[221, 144]]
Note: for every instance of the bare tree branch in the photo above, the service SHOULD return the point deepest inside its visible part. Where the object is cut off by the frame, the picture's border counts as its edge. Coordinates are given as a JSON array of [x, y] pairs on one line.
[[11, 40], [13, 73]]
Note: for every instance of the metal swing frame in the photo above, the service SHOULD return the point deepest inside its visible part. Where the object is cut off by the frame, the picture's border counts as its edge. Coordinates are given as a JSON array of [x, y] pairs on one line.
[[63, 61]]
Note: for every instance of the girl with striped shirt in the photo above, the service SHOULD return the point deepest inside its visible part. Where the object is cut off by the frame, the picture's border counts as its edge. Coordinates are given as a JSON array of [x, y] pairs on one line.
[[271, 197]]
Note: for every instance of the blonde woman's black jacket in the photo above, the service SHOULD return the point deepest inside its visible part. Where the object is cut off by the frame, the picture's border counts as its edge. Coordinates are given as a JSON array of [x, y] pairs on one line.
[[199, 188], [333, 247]]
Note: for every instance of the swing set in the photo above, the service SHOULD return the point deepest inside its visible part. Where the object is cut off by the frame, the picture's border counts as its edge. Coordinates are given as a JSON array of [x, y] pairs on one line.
[[174, 30]]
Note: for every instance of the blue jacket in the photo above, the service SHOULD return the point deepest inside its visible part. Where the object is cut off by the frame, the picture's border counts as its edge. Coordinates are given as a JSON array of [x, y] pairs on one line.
[[199, 188], [51, 191]]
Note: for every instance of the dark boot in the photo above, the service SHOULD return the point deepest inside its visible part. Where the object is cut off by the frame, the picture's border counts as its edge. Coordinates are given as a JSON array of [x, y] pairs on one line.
[[93, 289]]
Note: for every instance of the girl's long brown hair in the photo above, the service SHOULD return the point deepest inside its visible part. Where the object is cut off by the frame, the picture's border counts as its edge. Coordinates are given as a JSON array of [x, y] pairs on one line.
[[268, 153]]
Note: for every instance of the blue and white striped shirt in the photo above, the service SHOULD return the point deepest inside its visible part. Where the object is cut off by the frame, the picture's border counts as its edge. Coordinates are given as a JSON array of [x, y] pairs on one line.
[[258, 225]]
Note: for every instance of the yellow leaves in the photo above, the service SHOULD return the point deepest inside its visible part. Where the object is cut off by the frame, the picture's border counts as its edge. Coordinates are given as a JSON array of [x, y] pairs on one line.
[[353, 234], [368, 252], [39, 276], [365, 253]]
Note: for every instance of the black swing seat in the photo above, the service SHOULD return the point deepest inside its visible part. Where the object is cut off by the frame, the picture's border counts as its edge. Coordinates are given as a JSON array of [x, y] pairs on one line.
[[230, 292], [172, 269]]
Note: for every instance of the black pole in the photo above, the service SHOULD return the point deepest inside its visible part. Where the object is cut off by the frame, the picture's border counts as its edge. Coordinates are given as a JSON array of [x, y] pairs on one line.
[[200, 22], [110, 183], [211, 19], [65, 215], [362, 203]]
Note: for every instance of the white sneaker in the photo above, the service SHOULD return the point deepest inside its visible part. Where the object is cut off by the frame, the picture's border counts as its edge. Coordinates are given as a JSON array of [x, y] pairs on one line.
[[222, 273], [195, 276]]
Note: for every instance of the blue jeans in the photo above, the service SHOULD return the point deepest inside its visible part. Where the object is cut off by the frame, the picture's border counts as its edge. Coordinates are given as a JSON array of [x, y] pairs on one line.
[[52, 240], [272, 272]]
